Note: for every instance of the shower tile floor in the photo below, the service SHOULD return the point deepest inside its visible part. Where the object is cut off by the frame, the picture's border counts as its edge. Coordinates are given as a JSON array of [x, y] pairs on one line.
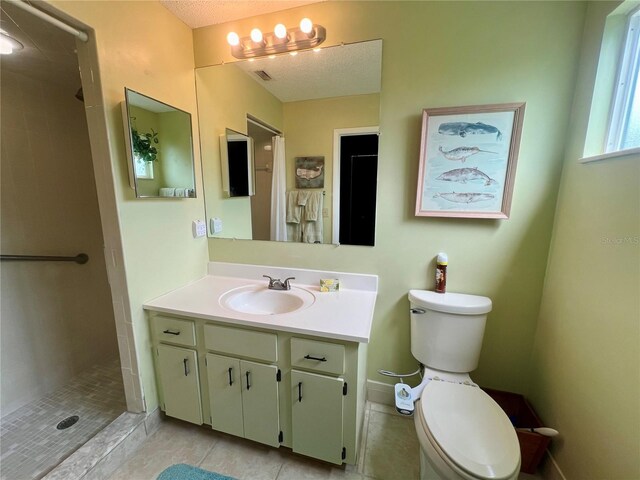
[[30, 444], [389, 451]]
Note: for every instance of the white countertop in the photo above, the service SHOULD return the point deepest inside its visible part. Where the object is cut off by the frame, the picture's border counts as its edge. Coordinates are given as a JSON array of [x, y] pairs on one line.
[[344, 315]]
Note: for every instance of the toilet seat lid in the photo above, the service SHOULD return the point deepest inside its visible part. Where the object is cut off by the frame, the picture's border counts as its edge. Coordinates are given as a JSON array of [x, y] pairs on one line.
[[471, 429]]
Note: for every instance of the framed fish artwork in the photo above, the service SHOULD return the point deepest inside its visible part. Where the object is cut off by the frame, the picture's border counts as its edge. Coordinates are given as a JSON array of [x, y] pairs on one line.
[[468, 158], [309, 172]]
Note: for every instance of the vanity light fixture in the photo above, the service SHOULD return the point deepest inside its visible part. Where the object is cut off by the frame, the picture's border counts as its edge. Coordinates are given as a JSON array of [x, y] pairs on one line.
[[8, 44], [281, 40]]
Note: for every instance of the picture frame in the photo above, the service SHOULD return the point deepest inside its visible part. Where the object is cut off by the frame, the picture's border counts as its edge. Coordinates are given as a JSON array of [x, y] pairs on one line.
[[468, 158], [309, 172]]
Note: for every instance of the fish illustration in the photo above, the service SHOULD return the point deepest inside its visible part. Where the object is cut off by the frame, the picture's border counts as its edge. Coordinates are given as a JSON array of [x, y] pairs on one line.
[[465, 128], [464, 175], [461, 153], [309, 173], [465, 197]]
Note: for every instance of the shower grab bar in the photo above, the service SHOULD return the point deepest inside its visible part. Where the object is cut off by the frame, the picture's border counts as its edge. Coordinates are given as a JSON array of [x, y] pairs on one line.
[[81, 258]]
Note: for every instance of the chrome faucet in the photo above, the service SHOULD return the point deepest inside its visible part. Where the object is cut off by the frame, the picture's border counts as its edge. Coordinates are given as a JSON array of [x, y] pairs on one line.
[[277, 284]]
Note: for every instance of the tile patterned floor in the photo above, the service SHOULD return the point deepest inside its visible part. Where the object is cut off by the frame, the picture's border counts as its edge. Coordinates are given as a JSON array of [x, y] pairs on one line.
[[30, 444], [389, 451]]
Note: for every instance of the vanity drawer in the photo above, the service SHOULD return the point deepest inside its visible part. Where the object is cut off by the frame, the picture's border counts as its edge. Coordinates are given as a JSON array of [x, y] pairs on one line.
[[241, 342], [317, 356], [174, 330]]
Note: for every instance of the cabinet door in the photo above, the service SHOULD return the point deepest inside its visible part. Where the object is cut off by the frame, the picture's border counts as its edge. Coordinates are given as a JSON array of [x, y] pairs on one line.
[[260, 404], [316, 405], [225, 388], [178, 368]]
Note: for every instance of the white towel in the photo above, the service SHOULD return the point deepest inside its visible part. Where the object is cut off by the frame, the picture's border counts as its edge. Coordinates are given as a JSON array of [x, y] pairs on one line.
[[180, 192], [313, 208], [303, 197], [167, 192], [294, 211]]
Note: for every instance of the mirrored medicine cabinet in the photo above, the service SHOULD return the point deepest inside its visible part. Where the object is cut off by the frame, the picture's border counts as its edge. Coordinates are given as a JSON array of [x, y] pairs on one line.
[[159, 144]]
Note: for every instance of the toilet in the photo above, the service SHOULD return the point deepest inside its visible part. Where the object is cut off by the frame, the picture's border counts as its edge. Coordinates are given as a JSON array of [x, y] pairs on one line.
[[463, 433]]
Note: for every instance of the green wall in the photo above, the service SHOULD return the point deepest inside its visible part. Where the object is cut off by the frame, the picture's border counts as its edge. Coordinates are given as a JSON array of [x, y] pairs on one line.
[[446, 54], [225, 96], [585, 369]]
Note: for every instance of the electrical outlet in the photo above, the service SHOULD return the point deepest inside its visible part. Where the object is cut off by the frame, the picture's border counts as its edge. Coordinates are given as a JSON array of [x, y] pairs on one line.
[[198, 228], [216, 225]]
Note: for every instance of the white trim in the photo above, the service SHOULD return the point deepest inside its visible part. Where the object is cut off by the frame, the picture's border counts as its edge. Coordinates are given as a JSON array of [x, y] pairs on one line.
[[628, 69], [337, 133], [611, 155], [82, 36]]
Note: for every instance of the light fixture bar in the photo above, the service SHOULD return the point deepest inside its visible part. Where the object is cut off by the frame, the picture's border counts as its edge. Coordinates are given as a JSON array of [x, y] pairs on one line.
[[271, 44]]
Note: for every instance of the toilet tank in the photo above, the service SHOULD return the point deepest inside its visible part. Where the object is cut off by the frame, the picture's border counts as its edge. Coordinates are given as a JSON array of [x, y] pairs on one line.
[[447, 329]]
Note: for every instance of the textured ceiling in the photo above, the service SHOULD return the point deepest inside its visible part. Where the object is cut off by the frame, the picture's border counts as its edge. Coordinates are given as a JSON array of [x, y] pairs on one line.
[[200, 13], [331, 72]]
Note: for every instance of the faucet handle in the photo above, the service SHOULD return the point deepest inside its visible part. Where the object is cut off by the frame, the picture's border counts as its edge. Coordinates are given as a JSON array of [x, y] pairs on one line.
[[271, 280], [287, 285]]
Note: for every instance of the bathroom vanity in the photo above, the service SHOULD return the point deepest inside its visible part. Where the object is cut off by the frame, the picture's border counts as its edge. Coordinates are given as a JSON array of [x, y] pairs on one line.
[[276, 367]]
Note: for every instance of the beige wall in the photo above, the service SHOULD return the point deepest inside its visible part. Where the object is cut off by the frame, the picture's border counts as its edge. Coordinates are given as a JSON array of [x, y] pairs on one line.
[[308, 128], [585, 369], [57, 318], [446, 54], [142, 46]]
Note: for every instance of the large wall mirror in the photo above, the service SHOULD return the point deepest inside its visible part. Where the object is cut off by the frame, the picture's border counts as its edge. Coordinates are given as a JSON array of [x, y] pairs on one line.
[[159, 147], [313, 120]]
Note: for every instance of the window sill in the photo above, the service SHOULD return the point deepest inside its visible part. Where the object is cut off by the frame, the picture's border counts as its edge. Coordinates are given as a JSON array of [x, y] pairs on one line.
[[611, 155]]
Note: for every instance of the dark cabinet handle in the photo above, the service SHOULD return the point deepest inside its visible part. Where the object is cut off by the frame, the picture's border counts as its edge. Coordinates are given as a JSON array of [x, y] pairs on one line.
[[299, 391], [171, 332], [309, 357], [248, 382], [230, 377], [186, 367]]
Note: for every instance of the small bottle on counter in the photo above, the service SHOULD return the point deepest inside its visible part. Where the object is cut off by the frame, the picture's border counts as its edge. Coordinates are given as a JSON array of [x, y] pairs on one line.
[[441, 273]]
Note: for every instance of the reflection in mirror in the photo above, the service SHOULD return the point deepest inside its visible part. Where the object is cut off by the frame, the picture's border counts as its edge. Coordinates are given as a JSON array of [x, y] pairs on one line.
[[236, 155], [292, 107], [159, 145]]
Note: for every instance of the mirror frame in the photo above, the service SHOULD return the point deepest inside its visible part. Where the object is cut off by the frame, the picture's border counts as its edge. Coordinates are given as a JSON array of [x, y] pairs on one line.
[[126, 120]]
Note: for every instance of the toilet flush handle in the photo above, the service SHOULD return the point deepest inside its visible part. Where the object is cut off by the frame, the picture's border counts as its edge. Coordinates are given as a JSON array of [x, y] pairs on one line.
[[418, 311]]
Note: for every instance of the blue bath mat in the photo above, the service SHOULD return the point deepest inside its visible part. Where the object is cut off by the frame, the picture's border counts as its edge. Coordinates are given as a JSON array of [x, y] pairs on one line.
[[187, 472]]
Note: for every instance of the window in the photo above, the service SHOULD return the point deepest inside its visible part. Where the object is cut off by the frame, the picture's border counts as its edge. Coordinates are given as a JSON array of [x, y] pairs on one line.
[[144, 169], [624, 126]]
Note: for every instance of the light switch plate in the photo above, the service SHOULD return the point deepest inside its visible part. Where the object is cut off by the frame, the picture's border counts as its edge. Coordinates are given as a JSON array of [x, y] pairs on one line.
[[199, 228]]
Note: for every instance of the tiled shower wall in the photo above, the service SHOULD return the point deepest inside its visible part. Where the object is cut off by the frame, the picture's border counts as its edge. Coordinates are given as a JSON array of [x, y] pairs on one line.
[[57, 318]]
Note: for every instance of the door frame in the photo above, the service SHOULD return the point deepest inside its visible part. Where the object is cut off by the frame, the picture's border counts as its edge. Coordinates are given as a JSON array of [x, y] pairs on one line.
[[338, 133]]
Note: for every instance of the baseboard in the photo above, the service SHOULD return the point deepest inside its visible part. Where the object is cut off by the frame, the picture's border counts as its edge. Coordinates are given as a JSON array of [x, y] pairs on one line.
[[550, 470], [379, 392]]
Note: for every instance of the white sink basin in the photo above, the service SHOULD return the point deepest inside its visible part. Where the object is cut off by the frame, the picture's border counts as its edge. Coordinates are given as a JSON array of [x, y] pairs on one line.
[[259, 300]]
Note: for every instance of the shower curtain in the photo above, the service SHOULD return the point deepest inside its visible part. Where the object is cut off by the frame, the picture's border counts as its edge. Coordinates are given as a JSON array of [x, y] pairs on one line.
[[278, 192]]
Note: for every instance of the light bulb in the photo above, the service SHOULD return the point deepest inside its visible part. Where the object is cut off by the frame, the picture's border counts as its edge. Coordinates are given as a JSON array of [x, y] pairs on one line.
[[8, 44], [256, 35], [293, 54], [233, 39], [6, 48], [280, 31], [306, 25]]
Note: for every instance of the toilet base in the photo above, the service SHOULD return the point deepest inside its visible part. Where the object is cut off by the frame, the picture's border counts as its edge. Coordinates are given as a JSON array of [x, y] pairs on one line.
[[426, 470]]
